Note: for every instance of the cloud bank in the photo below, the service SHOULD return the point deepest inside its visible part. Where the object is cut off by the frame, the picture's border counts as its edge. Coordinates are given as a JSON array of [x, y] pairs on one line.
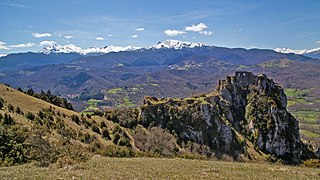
[[173, 32], [41, 35], [99, 38], [47, 43]]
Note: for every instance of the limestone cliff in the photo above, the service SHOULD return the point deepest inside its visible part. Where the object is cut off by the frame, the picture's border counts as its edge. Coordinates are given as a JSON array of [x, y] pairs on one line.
[[243, 109]]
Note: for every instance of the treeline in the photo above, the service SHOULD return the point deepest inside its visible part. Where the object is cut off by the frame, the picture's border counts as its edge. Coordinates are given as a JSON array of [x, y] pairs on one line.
[[48, 97]]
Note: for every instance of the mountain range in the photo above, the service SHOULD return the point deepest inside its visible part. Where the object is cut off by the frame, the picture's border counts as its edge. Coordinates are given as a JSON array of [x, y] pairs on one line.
[[94, 73], [58, 54]]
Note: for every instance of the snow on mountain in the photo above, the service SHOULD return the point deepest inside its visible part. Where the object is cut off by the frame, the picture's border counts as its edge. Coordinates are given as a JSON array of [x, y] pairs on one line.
[[3, 55], [175, 44], [301, 51], [71, 48]]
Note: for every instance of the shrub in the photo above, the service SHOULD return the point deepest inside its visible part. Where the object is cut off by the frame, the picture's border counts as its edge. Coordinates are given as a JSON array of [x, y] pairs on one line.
[[18, 110], [86, 138], [7, 120], [1, 103], [103, 124], [96, 129], [12, 150], [10, 107], [116, 151], [123, 141], [98, 113], [155, 140], [116, 137], [41, 151], [315, 163], [75, 119], [105, 134]]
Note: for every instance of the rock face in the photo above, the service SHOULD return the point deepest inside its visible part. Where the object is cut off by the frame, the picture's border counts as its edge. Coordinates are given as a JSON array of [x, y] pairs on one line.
[[243, 108]]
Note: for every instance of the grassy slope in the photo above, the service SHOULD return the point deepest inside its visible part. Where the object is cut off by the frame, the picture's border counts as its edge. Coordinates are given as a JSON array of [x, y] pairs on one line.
[[140, 168], [104, 168], [26, 102], [31, 104]]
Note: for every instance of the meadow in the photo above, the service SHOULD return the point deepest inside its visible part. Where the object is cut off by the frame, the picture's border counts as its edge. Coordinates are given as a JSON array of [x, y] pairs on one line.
[[99, 167]]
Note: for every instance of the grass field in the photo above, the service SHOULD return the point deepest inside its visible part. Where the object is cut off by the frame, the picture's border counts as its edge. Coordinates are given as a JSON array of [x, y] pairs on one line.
[[155, 168], [303, 104]]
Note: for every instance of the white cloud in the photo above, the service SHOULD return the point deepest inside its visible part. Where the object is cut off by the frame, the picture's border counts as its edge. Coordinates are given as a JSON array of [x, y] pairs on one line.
[[110, 35], [22, 45], [99, 38], [170, 32], [207, 33], [134, 36], [47, 43], [41, 35], [3, 45], [196, 28], [139, 29], [317, 42], [68, 37]]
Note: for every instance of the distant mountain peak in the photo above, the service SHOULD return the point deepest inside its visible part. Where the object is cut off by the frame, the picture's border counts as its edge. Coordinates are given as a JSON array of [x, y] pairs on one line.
[[175, 44], [71, 48], [297, 51], [3, 55]]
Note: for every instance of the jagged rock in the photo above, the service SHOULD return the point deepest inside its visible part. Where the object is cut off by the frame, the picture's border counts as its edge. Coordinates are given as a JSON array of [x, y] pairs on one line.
[[244, 107]]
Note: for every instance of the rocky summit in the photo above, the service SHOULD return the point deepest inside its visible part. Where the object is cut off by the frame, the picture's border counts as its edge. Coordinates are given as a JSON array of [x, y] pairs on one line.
[[244, 110]]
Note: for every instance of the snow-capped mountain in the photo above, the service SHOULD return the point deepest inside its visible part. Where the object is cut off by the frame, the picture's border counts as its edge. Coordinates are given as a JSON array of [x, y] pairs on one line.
[[175, 44], [313, 53], [296, 51], [71, 48]]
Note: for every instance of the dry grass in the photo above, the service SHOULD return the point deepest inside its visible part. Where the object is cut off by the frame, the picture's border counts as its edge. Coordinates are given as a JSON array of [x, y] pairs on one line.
[[27, 103], [149, 168]]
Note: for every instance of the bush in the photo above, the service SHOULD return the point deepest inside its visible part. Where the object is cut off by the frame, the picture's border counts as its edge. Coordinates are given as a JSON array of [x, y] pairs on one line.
[[18, 110], [116, 137], [105, 134], [30, 116], [116, 151], [7, 120], [86, 138], [155, 140], [98, 113], [96, 129], [41, 151], [1, 103], [315, 163], [103, 124], [75, 119], [12, 150], [123, 141], [10, 107]]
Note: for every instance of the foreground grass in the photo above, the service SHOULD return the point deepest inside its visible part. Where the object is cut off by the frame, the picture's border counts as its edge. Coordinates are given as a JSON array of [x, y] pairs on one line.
[[140, 168]]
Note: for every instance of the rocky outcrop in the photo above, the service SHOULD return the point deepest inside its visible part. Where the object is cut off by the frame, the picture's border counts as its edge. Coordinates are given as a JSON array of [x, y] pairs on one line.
[[243, 108]]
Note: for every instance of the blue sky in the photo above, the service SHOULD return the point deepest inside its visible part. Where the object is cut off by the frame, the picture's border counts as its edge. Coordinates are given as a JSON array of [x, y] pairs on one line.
[[31, 24]]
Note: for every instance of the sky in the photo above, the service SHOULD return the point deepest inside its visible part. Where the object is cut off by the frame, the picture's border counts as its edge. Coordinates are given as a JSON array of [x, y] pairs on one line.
[[29, 25]]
